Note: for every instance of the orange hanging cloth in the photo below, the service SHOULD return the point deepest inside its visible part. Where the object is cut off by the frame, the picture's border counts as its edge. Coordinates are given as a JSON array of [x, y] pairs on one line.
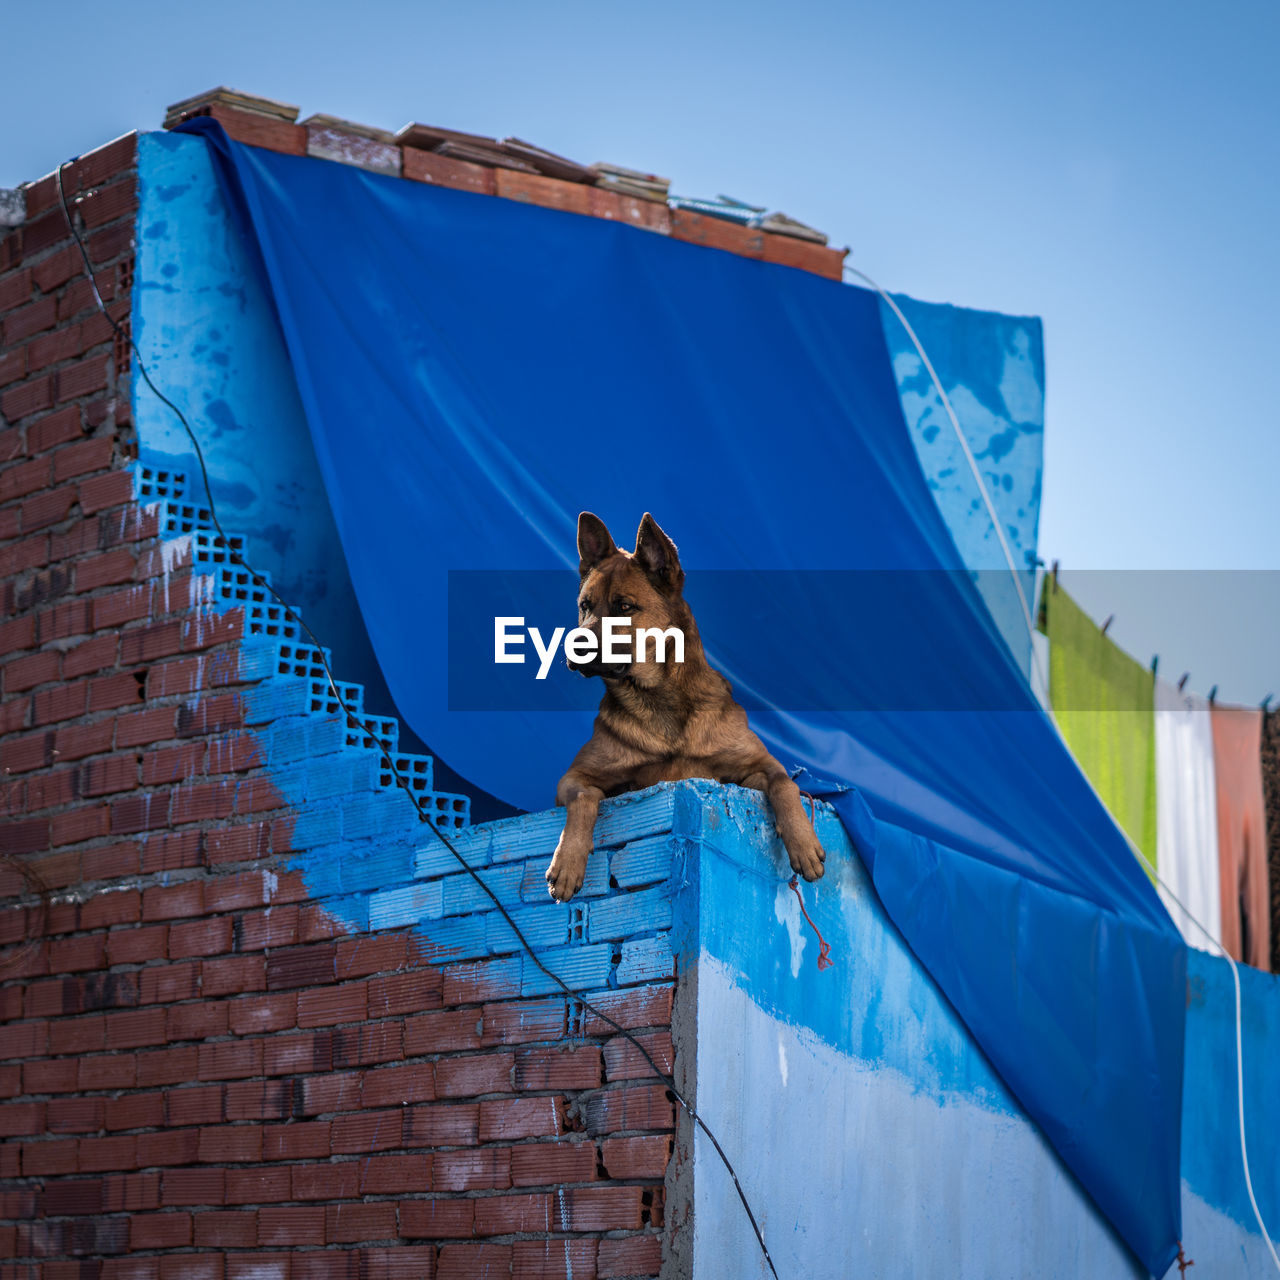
[[1242, 835]]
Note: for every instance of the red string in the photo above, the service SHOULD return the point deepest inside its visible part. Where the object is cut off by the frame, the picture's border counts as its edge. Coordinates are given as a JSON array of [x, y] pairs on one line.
[[824, 947], [1183, 1261]]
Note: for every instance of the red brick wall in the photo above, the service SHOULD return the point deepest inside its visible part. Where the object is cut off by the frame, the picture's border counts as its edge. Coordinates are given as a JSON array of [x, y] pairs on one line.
[[200, 1074]]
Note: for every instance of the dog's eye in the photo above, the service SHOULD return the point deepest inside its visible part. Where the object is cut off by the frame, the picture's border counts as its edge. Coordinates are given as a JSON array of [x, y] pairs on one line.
[[584, 606], [623, 606]]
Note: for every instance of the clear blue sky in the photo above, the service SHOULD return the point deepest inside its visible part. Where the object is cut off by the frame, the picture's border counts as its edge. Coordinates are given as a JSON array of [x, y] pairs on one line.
[[1111, 168]]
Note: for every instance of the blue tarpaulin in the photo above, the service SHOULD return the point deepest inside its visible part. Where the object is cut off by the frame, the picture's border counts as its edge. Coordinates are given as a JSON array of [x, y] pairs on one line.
[[476, 371]]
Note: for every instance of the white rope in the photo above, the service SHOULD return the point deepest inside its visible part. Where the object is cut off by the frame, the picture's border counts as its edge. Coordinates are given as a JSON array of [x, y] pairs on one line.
[[1026, 614]]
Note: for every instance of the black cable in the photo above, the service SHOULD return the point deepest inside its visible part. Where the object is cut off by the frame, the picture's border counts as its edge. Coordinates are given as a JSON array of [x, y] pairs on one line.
[[354, 722]]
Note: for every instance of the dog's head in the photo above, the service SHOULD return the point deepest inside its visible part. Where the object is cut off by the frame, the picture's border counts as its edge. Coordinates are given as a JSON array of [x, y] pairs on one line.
[[640, 590]]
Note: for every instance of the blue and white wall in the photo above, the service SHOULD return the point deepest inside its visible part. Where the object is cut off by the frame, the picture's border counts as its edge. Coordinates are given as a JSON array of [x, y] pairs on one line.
[[875, 1139]]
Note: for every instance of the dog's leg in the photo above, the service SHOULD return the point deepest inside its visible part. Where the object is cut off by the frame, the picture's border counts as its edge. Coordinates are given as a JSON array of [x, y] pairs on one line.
[[792, 819], [569, 863]]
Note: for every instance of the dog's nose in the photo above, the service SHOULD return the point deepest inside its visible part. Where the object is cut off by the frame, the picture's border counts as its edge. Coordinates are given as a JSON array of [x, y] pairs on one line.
[[606, 670]]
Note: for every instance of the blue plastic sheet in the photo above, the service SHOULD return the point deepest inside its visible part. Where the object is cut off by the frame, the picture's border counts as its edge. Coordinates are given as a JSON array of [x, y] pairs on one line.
[[476, 371]]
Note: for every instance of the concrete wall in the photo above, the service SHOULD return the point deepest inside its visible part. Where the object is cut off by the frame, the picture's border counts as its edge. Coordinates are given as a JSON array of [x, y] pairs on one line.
[[876, 1139]]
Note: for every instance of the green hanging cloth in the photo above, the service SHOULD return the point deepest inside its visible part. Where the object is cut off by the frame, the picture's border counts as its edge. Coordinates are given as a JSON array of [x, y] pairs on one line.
[[1104, 703]]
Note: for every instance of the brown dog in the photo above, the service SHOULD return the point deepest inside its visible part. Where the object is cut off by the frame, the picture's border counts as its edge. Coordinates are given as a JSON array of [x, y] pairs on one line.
[[659, 721]]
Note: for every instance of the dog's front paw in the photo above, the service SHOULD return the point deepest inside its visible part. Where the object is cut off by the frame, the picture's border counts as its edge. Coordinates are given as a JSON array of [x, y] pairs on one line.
[[566, 872], [806, 853]]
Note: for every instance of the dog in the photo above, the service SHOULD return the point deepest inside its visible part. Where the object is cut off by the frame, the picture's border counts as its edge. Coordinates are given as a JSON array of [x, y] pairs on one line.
[[658, 721]]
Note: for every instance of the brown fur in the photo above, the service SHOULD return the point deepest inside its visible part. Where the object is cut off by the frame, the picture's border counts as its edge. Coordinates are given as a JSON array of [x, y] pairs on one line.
[[660, 721]]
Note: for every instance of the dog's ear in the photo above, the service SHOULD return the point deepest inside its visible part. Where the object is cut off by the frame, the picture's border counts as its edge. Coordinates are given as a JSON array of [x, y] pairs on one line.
[[594, 542], [656, 554]]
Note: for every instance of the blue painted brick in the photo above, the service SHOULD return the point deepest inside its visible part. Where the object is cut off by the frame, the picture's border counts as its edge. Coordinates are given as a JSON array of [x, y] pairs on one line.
[[288, 740], [349, 774], [409, 904], [378, 814], [542, 927], [533, 888], [434, 859], [462, 894], [461, 938], [645, 960], [642, 862], [258, 661], [373, 864], [622, 914], [630, 817], [579, 968], [275, 698], [534, 836], [317, 826]]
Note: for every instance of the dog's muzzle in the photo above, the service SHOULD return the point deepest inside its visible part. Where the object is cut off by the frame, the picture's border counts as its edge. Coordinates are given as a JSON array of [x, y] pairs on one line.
[[605, 670]]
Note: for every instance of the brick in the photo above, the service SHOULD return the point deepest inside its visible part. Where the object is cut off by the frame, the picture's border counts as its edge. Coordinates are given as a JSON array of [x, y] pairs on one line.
[[107, 774], [200, 1020], [98, 493], [170, 851], [232, 975], [437, 1219], [24, 478], [55, 270], [630, 1108], [443, 171], [559, 1068], [106, 693], [259, 1014], [13, 366], [69, 955], [107, 203], [53, 429], [230, 1060], [324, 1181], [258, 1100], [473, 1261], [538, 1164], [173, 902], [191, 1266], [395, 1175], [636, 1157], [287, 1055], [367, 1131], [111, 907], [227, 1143], [630, 1256], [487, 1169], [604, 1208], [15, 289], [443, 1125], [297, 1141], [17, 633], [108, 569], [551, 193], [516, 1021], [716, 233], [805, 255], [83, 379], [259, 131], [291, 1225], [49, 1158], [23, 322], [409, 1082], [301, 966], [89, 656], [200, 938], [194, 1105], [160, 1230], [554, 1259], [167, 1066], [143, 728], [32, 669], [514, 1214], [639, 1007], [623, 1061], [137, 946], [445, 1031], [506, 1119], [23, 1118], [134, 1028], [228, 1229], [79, 459], [473, 1075], [35, 395], [39, 512], [66, 702], [650, 215], [135, 1111], [348, 1223], [193, 1187], [274, 927], [103, 1154], [117, 608], [78, 740], [403, 1262]]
